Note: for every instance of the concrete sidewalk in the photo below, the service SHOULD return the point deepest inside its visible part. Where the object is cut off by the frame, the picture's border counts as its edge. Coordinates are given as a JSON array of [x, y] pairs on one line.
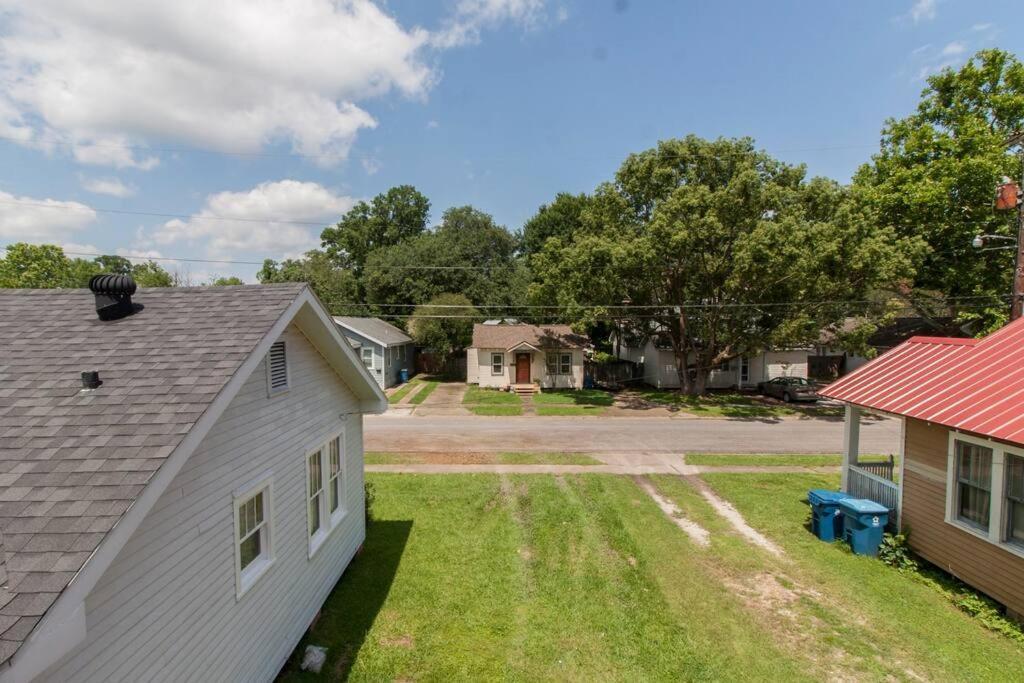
[[661, 468]]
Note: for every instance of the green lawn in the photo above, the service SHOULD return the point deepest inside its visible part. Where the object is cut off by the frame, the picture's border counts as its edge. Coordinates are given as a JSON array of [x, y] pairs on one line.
[[403, 391], [731, 405], [574, 397], [481, 577], [482, 395], [422, 394], [891, 625], [495, 410], [508, 458], [567, 410], [774, 459]]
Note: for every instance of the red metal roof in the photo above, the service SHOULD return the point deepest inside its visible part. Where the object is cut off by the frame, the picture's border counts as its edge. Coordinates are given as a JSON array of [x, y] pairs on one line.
[[976, 385]]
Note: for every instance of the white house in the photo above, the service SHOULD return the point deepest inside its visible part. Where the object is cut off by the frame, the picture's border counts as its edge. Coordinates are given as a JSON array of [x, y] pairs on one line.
[[660, 368], [183, 513], [526, 356]]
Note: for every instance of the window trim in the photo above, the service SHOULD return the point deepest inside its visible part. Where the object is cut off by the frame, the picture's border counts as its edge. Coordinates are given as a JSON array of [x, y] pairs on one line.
[[329, 521], [500, 365], [362, 352], [246, 578], [1005, 493], [271, 391], [996, 533], [563, 368]]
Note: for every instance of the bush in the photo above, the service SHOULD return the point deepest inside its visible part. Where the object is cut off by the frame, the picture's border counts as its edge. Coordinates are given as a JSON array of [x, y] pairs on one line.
[[369, 497], [895, 552]]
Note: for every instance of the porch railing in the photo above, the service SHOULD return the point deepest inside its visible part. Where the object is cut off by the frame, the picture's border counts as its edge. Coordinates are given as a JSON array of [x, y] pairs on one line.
[[865, 484], [881, 468]]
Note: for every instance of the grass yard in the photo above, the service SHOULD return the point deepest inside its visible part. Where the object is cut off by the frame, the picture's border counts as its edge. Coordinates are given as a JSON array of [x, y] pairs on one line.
[[536, 577], [423, 393], [732, 405], [495, 410], [568, 402], [775, 459], [509, 458], [875, 622], [569, 411], [483, 396], [483, 577], [403, 391]]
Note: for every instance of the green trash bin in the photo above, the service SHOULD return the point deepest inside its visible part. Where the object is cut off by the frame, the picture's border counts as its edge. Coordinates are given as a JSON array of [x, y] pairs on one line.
[[863, 523], [826, 517]]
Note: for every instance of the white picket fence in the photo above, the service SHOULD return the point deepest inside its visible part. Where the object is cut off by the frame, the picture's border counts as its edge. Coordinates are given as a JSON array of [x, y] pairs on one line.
[[864, 484]]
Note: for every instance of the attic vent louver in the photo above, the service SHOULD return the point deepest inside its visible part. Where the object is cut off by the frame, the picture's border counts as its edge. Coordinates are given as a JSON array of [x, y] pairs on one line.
[[113, 295], [277, 368]]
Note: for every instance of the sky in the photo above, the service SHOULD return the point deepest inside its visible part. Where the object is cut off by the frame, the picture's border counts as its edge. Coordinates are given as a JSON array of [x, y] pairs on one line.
[[230, 131]]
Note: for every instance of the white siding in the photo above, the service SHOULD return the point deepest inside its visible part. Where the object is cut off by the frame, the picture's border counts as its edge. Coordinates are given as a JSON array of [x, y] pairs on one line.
[[785, 364], [166, 608], [478, 370]]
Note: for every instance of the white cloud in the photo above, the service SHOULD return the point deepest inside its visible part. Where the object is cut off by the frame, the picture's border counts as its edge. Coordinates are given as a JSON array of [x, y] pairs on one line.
[[372, 166], [957, 47], [473, 16], [432, 124], [922, 10], [112, 187], [51, 221], [981, 27], [106, 77], [270, 219]]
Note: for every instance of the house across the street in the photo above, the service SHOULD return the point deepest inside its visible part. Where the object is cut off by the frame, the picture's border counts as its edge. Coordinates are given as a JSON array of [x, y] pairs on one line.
[[961, 486], [182, 478], [384, 349], [505, 355], [660, 369]]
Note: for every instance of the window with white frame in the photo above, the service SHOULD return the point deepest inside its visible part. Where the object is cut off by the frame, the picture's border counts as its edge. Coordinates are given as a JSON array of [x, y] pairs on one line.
[[1015, 499], [326, 503], [335, 477], [551, 360], [253, 534], [367, 356], [974, 483], [745, 370], [497, 363], [565, 364]]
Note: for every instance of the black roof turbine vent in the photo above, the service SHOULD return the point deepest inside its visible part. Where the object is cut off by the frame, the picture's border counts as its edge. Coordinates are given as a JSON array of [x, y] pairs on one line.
[[113, 296]]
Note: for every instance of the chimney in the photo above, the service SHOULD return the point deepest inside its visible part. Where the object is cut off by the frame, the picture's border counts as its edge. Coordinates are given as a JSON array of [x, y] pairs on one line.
[[113, 295]]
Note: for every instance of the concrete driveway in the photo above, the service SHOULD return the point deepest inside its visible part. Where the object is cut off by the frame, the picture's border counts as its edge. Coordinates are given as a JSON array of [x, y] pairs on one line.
[[623, 435]]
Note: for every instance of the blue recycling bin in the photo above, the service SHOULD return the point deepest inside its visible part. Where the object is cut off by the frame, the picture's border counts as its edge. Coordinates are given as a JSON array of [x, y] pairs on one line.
[[403, 375], [863, 524], [826, 518]]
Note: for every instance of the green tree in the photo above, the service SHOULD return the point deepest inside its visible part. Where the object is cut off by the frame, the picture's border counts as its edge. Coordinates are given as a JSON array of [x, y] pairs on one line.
[[722, 243], [935, 177], [468, 253], [390, 218], [36, 266], [151, 274], [444, 324], [560, 218], [335, 286], [226, 281]]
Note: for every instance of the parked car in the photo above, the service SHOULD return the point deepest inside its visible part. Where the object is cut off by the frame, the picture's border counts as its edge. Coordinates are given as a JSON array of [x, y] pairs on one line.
[[788, 389]]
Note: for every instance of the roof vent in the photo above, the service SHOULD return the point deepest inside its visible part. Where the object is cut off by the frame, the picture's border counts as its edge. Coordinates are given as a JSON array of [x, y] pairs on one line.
[[91, 380], [113, 295]]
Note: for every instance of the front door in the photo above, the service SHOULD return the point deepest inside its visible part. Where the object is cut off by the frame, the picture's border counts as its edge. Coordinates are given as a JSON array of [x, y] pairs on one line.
[[522, 368]]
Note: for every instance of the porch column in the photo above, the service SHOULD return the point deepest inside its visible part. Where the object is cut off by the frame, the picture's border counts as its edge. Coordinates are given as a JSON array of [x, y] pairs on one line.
[[851, 442]]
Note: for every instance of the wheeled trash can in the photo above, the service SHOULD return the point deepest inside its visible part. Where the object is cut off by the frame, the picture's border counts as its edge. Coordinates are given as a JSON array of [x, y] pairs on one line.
[[863, 524], [826, 517]]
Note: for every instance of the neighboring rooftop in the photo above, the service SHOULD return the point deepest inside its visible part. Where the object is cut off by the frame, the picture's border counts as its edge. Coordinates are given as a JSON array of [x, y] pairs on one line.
[[969, 384], [73, 461], [539, 336], [374, 329]]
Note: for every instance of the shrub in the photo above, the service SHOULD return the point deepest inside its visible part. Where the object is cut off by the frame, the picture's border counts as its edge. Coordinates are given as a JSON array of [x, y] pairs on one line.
[[369, 498], [895, 552]]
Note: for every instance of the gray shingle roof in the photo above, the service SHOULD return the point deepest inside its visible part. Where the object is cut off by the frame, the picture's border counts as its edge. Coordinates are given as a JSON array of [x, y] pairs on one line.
[[375, 328], [72, 462], [541, 336]]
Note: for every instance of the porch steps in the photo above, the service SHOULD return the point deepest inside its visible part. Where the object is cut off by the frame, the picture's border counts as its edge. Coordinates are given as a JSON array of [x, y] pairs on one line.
[[526, 389]]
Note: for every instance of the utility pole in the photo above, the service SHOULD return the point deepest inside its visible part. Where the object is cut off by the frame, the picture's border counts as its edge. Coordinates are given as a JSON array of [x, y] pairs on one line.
[[1017, 305]]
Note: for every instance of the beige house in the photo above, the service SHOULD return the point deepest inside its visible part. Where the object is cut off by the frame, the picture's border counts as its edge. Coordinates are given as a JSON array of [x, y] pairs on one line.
[[506, 356]]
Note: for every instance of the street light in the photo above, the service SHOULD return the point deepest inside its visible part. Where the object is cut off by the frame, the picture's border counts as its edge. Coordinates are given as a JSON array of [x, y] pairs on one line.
[[980, 242]]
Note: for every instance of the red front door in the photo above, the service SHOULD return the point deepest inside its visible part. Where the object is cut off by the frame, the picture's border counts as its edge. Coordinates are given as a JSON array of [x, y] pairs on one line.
[[522, 368]]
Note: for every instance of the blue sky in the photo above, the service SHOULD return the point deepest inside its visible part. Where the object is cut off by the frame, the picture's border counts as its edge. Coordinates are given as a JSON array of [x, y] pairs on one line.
[[279, 118]]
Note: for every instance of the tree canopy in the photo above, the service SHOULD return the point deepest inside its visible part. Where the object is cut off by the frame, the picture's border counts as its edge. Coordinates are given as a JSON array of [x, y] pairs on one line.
[[444, 324], [468, 253], [46, 266], [726, 246], [935, 177], [561, 218], [335, 286]]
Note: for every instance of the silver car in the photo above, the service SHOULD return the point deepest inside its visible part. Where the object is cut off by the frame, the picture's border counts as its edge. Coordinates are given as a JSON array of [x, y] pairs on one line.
[[789, 389]]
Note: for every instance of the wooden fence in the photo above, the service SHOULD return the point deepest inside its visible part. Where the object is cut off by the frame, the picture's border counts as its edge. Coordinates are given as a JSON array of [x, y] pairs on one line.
[[863, 484], [881, 468]]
